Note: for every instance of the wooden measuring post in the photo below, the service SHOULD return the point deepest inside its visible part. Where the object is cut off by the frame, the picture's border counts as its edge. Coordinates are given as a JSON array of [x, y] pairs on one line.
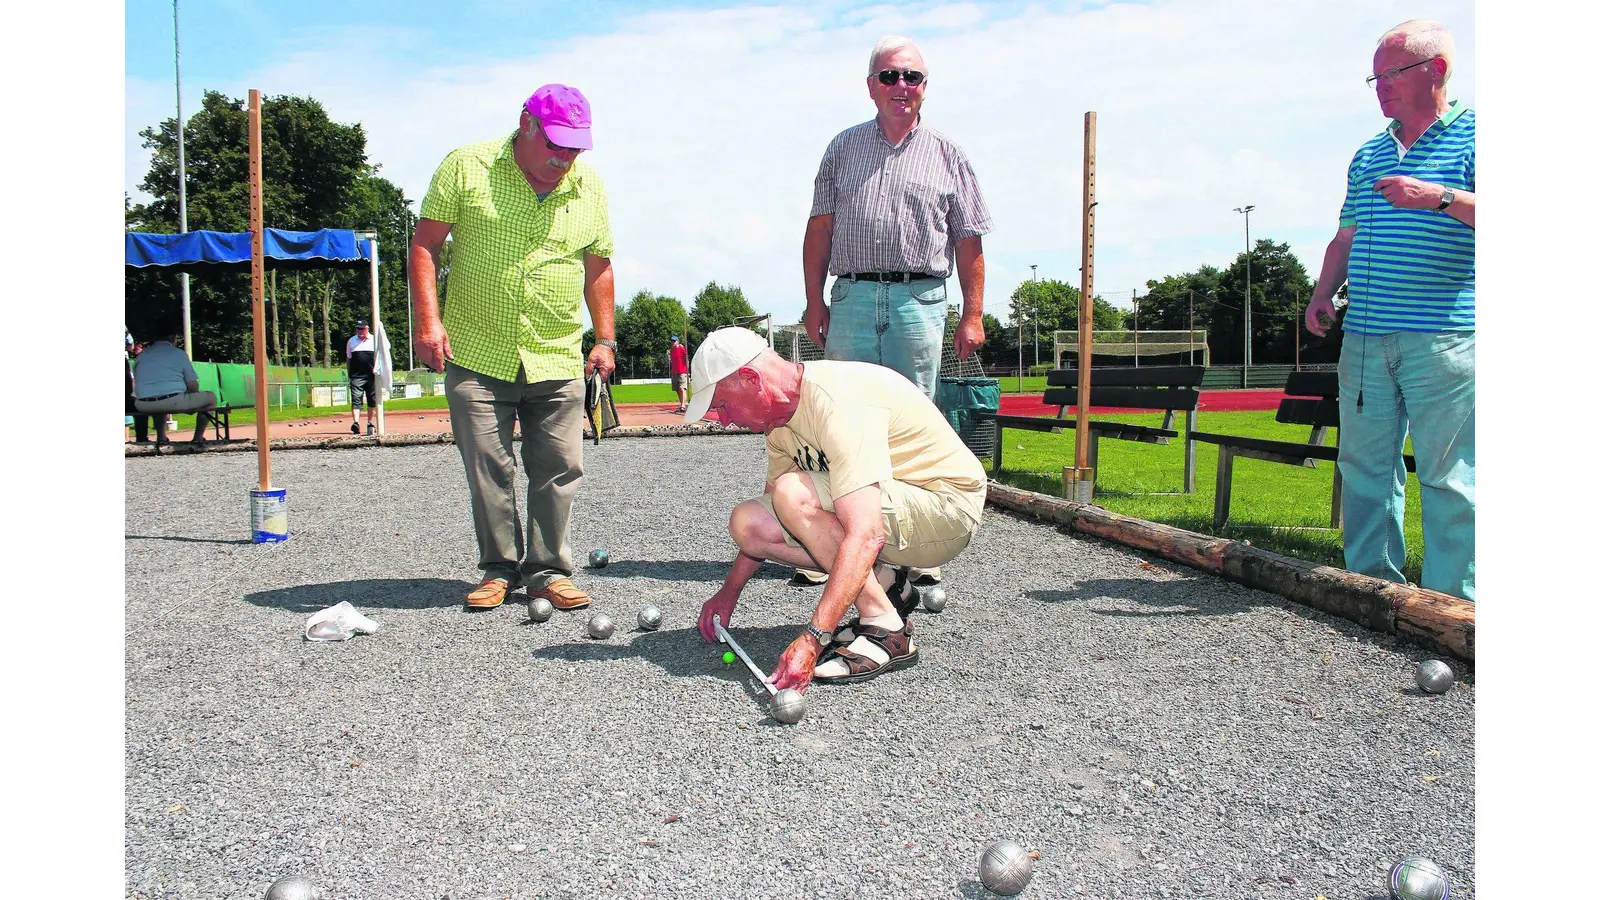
[[1077, 482], [257, 293]]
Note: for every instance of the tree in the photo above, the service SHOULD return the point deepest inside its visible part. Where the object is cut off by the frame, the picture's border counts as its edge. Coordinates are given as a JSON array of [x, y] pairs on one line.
[[1046, 307], [1276, 278], [714, 307], [315, 174], [645, 328]]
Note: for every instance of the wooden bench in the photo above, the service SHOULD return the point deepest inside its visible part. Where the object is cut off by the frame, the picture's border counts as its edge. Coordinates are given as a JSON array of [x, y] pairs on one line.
[[1312, 399], [1166, 389]]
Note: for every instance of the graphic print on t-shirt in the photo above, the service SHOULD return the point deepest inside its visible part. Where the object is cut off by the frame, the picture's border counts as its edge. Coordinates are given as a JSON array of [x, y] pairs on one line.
[[804, 462]]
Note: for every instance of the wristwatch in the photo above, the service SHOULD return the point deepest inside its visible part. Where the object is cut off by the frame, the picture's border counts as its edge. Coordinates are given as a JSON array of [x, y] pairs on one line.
[[1448, 198], [823, 638], [607, 342]]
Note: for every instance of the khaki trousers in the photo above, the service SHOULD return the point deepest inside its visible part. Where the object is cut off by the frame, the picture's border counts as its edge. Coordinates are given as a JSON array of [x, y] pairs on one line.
[[483, 412]]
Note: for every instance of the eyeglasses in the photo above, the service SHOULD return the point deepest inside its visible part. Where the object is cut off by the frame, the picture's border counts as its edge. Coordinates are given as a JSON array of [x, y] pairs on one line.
[[912, 77], [557, 148], [1390, 74]]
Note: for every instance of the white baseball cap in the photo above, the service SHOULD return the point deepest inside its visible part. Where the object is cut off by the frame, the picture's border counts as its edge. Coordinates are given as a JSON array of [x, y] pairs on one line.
[[720, 355]]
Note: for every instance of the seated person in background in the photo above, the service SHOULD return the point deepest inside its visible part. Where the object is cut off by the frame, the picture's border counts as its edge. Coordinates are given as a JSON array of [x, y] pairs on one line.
[[164, 381], [864, 480]]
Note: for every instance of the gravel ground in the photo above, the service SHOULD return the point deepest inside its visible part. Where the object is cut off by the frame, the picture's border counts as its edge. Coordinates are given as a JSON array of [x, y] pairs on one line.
[[1150, 731]]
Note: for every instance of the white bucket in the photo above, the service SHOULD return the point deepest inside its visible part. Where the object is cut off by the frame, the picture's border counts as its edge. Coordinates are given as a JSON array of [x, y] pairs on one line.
[[269, 516]]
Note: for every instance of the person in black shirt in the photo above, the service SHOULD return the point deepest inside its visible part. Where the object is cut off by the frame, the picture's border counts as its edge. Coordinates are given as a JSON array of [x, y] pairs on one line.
[[361, 355]]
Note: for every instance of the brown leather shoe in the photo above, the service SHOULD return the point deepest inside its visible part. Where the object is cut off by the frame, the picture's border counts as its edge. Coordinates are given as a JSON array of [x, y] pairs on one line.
[[562, 594], [490, 594]]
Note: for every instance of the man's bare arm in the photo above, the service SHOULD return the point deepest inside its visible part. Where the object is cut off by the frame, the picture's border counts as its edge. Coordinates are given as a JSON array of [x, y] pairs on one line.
[[814, 258], [431, 342]]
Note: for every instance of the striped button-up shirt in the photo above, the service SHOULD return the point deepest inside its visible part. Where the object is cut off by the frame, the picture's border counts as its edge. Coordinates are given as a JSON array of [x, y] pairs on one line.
[[1412, 269], [897, 209], [517, 262]]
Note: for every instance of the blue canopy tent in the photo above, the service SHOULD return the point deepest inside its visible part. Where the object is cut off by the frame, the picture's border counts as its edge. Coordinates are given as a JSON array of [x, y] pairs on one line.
[[197, 252], [217, 251]]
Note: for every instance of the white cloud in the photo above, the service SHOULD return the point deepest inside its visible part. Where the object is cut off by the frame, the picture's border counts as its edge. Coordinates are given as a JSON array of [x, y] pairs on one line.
[[709, 125]]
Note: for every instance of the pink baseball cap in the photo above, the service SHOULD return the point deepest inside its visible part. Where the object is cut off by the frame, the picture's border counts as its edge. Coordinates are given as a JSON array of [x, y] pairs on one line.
[[563, 115]]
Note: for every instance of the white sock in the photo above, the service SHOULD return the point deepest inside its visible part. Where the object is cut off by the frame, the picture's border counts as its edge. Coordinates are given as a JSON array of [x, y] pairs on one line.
[[890, 621]]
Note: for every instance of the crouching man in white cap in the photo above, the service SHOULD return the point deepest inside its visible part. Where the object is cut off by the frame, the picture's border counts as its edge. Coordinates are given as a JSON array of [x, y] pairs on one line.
[[864, 479]]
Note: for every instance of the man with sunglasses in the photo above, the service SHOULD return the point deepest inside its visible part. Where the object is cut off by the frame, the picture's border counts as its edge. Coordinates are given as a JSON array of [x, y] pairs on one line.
[[531, 238], [895, 208], [1406, 244]]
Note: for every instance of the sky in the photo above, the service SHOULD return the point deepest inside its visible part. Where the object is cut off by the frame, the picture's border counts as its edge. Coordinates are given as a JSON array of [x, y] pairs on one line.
[[711, 118]]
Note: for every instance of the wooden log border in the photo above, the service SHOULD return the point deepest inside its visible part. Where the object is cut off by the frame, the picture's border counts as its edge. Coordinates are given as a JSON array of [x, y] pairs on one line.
[[1434, 620]]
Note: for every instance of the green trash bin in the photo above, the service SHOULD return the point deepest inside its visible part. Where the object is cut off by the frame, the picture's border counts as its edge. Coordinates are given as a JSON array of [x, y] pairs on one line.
[[959, 398]]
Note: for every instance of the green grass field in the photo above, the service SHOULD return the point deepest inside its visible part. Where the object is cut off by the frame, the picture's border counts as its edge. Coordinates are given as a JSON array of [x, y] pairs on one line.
[[1277, 507]]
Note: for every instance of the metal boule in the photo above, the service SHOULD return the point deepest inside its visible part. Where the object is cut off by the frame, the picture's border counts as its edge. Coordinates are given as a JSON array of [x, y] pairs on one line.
[[933, 598], [1434, 676], [598, 559], [1005, 867], [1418, 878], [601, 626], [540, 610], [650, 617], [788, 706]]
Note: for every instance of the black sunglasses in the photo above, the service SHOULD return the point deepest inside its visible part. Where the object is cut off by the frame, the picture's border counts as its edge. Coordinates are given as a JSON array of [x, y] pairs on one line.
[[891, 76]]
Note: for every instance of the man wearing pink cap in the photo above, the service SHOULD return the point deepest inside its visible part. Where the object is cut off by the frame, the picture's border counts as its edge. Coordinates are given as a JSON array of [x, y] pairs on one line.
[[531, 240]]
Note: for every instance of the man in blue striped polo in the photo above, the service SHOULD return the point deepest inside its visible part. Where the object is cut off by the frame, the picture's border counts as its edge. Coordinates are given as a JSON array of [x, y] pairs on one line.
[[1406, 246], [895, 208]]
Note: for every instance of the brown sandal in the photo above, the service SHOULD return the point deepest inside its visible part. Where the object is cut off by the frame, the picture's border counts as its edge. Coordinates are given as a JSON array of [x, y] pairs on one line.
[[897, 644]]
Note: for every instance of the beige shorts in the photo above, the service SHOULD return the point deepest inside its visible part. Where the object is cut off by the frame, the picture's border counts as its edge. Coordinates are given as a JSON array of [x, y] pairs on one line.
[[680, 381], [921, 528]]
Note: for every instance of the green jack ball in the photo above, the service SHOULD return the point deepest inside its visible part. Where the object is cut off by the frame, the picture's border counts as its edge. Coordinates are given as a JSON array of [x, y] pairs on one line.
[[728, 657]]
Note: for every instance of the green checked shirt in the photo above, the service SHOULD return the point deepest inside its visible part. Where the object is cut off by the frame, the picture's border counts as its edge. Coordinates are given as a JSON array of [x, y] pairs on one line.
[[517, 266]]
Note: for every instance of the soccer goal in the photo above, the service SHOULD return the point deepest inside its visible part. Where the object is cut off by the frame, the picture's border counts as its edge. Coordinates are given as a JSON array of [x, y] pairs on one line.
[[1137, 345]]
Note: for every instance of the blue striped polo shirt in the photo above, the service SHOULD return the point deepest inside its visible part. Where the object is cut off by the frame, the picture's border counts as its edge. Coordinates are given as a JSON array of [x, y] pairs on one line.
[[1412, 269]]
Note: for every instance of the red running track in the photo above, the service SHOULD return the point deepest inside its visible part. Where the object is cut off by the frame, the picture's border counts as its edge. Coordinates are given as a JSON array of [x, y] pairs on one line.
[[1210, 401]]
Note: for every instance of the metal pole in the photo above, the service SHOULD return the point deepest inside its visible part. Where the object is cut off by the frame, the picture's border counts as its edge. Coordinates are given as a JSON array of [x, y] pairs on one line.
[[1034, 296], [1136, 328], [183, 187], [1297, 331], [1245, 372], [376, 324], [1191, 328], [410, 362]]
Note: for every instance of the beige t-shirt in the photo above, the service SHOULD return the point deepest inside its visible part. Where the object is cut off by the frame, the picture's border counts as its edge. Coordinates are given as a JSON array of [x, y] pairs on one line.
[[864, 424]]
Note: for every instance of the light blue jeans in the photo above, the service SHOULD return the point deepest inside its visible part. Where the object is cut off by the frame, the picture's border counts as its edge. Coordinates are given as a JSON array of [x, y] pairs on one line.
[[1424, 381], [895, 324]]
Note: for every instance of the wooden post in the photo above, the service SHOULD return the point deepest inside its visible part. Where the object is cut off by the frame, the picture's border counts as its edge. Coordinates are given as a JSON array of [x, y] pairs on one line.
[[257, 294], [1083, 481]]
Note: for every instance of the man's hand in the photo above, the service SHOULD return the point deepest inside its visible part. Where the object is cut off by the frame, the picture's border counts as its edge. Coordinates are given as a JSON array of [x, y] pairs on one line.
[[1319, 315], [601, 358], [816, 320], [797, 664], [720, 604], [433, 346], [1409, 193], [969, 336]]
